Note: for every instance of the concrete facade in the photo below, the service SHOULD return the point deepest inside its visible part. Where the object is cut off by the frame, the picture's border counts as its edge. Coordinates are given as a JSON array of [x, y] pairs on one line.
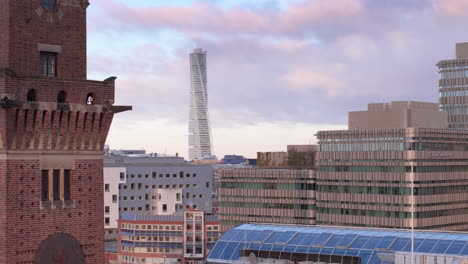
[[453, 87], [398, 115], [161, 185], [53, 126], [113, 177]]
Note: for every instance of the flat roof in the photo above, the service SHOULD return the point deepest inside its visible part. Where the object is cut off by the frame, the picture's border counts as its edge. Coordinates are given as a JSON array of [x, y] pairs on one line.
[[327, 240]]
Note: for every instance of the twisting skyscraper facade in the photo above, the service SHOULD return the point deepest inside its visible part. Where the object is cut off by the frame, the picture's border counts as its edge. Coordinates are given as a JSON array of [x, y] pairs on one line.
[[200, 144]]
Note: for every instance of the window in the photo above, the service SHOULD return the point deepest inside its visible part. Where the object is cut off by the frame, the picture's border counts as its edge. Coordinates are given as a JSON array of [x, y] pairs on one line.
[[107, 221], [122, 176], [106, 209], [48, 5], [207, 184], [114, 198], [45, 185], [90, 99], [106, 187], [164, 207], [66, 185], [181, 174], [154, 175], [61, 97], [194, 175], [31, 97], [147, 208], [178, 196], [48, 64], [56, 185], [174, 175]]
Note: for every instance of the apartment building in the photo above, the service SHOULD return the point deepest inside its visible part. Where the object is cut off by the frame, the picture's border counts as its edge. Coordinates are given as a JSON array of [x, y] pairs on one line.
[[186, 237], [151, 184]]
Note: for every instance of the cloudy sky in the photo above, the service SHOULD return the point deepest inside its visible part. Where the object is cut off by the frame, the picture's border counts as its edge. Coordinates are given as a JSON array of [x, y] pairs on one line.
[[278, 70]]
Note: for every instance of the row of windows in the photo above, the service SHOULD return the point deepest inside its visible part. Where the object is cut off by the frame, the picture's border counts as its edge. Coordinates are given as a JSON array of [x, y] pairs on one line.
[[454, 74], [454, 93], [268, 205], [394, 190], [139, 186], [160, 227], [55, 185], [341, 211], [152, 238], [153, 208], [365, 139], [394, 146], [396, 169], [397, 214], [267, 186], [456, 111], [154, 175], [158, 197], [61, 97]]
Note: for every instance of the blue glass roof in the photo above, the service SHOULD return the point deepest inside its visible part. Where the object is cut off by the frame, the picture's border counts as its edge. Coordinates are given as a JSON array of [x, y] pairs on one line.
[[366, 243]]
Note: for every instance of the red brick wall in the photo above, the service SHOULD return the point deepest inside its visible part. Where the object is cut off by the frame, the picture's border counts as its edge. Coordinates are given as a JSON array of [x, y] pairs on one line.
[[28, 225], [4, 35], [30, 29], [32, 130]]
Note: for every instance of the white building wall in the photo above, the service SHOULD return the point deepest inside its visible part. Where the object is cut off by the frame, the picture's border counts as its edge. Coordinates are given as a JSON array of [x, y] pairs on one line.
[[112, 179], [170, 198]]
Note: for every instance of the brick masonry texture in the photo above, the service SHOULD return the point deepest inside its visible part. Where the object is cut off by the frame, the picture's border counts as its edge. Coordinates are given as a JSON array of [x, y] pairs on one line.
[[44, 134]]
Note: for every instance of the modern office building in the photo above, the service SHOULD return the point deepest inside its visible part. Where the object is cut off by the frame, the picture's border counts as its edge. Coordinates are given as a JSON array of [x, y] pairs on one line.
[[54, 123], [282, 244], [453, 87], [152, 185], [376, 176], [266, 195], [200, 141], [186, 237]]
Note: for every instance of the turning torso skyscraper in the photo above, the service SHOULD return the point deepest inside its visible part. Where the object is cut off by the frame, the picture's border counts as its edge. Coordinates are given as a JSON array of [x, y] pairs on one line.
[[199, 123]]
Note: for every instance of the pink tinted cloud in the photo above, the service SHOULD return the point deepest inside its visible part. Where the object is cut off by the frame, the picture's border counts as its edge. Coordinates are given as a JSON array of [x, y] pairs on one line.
[[298, 19]]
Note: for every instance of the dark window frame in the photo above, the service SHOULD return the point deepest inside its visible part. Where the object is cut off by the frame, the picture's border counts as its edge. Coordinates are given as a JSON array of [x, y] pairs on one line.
[[48, 64]]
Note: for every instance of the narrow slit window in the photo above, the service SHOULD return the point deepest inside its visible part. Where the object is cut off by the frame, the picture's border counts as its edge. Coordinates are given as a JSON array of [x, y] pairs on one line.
[[45, 185], [56, 184], [66, 185]]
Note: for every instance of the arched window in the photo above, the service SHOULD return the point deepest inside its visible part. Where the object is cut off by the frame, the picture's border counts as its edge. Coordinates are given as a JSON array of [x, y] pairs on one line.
[[49, 5], [61, 97], [90, 99], [31, 97]]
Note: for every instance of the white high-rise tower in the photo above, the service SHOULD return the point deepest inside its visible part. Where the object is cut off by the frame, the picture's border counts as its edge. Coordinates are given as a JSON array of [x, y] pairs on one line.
[[200, 144]]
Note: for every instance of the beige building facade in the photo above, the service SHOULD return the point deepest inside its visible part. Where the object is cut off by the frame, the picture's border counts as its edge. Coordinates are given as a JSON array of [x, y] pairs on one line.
[[376, 177], [453, 87], [398, 115], [267, 196]]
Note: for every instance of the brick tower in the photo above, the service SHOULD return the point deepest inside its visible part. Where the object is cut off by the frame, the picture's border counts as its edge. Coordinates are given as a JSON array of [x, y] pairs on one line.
[[53, 125]]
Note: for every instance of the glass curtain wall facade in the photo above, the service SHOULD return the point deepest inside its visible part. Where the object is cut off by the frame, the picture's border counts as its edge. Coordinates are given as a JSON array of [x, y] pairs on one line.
[[365, 178], [200, 141]]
